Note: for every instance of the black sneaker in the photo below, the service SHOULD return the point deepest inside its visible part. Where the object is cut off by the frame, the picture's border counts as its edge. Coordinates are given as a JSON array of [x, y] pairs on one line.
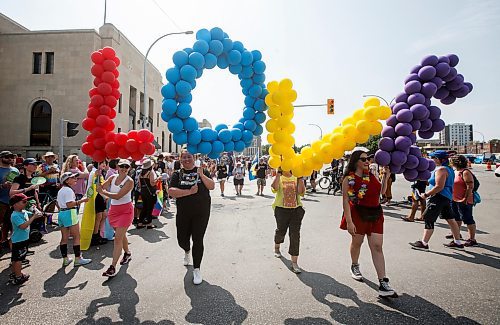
[[356, 273], [385, 290], [111, 272], [20, 280], [419, 246], [450, 236], [126, 258], [454, 245], [470, 243]]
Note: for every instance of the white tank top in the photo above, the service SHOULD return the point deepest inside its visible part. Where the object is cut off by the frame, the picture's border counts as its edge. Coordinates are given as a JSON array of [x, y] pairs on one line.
[[116, 188]]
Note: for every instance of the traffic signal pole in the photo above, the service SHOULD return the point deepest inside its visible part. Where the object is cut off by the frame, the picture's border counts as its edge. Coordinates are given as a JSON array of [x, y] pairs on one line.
[[61, 144]]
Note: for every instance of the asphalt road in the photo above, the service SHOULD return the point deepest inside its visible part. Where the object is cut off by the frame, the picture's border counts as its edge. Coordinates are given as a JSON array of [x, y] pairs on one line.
[[245, 283]]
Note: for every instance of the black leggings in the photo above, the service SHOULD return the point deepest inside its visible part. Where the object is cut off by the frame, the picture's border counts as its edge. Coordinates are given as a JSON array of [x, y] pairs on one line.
[[148, 203], [291, 220], [191, 224]]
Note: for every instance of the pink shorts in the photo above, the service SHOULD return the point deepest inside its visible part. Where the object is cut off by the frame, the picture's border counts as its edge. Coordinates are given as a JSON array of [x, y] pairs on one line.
[[121, 215]]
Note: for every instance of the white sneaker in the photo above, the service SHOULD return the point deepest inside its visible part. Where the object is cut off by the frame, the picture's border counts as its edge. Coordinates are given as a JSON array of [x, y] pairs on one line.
[[277, 254], [187, 258], [197, 279]]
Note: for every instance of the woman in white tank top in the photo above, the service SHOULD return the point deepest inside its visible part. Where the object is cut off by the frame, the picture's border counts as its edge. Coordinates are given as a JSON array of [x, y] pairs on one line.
[[121, 212]]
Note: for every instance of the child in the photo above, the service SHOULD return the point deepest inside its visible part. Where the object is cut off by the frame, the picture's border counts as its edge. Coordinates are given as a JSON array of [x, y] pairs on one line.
[[20, 234]]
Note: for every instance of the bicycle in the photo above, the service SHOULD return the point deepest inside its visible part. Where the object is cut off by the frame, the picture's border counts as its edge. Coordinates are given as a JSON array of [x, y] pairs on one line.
[[331, 181]]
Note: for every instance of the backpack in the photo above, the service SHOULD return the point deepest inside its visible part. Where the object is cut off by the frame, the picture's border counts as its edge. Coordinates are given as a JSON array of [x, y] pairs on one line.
[[475, 194]]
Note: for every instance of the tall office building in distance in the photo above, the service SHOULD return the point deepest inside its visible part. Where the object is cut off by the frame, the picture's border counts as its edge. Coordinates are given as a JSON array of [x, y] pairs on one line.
[[456, 134]]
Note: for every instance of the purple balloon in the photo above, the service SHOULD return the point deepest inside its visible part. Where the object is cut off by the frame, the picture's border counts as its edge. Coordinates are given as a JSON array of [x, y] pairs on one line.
[[425, 134], [442, 69], [415, 69], [392, 120], [437, 125], [383, 158], [411, 162], [427, 72], [469, 85], [415, 151], [404, 116], [416, 124], [437, 81], [453, 59], [451, 75], [462, 92], [423, 164], [455, 84], [401, 170], [429, 60], [388, 131], [394, 168], [386, 144], [429, 89], [416, 98], [442, 93], [425, 125], [435, 112], [412, 76], [444, 59], [412, 87], [413, 137], [427, 102], [399, 106], [450, 99], [404, 129], [419, 111], [424, 175], [401, 97], [402, 143], [398, 157], [411, 175], [432, 165]]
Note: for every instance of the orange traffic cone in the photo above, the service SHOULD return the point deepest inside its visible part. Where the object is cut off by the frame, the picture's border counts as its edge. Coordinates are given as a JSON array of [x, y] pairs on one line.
[[488, 166]]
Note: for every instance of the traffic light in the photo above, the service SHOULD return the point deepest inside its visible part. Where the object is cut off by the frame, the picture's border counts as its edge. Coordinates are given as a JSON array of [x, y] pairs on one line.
[[70, 129], [330, 106]]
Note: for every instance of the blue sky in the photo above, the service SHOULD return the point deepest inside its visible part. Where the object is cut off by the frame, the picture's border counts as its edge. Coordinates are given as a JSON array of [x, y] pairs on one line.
[[330, 49]]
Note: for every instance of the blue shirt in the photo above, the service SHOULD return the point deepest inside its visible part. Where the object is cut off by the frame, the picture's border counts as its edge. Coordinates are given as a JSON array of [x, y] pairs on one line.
[[447, 190], [4, 192], [18, 234]]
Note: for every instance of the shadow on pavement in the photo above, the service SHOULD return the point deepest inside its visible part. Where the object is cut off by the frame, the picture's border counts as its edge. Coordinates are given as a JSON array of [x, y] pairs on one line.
[[211, 304], [307, 321], [9, 293], [55, 286], [472, 257], [348, 308], [151, 235]]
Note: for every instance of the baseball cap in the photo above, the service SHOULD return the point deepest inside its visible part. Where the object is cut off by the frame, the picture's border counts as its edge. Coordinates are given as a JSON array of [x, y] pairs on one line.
[[6, 153], [30, 161], [441, 154], [18, 198], [67, 175], [123, 162]]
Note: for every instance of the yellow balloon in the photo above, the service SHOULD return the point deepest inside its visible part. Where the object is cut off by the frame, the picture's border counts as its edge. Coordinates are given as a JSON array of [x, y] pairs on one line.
[[316, 145], [372, 101], [327, 138], [279, 136], [286, 109], [270, 138], [297, 171], [317, 166], [272, 125], [289, 153], [289, 141], [271, 152], [269, 100], [362, 137], [372, 113], [348, 121], [363, 126], [272, 86], [306, 152], [279, 98], [338, 140], [274, 162], [326, 148], [287, 164], [308, 163], [291, 95], [279, 148], [349, 131], [358, 114], [375, 128], [288, 116], [273, 111], [349, 144], [338, 152], [283, 122], [385, 112], [290, 128], [285, 84]]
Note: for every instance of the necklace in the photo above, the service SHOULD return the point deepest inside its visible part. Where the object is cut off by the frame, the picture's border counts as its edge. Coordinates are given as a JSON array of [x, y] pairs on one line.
[[351, 181]]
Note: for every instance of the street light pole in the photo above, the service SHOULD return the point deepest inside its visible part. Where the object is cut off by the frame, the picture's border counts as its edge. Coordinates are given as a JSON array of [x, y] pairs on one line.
[[146, 99], [388, 104], [320, 130]]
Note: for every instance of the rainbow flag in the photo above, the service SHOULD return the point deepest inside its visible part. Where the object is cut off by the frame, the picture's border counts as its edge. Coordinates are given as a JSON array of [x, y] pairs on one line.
[[252, 174], [158, 208]]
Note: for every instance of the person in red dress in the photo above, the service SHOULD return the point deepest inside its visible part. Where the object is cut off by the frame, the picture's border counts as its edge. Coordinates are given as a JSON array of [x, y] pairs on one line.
[[363, 216]]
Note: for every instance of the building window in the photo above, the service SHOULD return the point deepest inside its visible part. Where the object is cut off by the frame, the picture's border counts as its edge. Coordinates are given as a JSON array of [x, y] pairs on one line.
[[170, 142], [49, 62], [157, 120], [37, 62], [41, 120], [120, 104], [162, 140], [131, 119], [119, 130]]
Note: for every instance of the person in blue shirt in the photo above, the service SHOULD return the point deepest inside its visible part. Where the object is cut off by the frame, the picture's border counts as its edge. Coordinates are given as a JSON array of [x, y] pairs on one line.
[[7, 175], [21, 221], [439, 197]]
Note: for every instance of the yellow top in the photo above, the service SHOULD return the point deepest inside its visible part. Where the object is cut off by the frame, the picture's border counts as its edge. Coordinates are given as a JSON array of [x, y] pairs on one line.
[[286, 195]]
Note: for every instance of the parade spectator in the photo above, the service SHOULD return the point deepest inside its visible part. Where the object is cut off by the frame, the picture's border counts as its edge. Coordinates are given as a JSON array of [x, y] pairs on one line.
[[363, 216], [418, 187], [7, 175], [50, 170], [22, 182], [288, 212], [262, 172], [161, 166], [191, 187], [147, 180], [239, 177], [373, 165], [312, 179], [73, 165], [100, 204], [222, 175]]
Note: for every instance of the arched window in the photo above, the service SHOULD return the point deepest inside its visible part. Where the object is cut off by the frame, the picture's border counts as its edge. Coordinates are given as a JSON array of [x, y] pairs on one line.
[[41, 120]]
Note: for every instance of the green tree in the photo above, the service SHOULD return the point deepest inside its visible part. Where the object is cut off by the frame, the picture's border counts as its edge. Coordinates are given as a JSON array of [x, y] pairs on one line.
[[265, 149], [372, 143]]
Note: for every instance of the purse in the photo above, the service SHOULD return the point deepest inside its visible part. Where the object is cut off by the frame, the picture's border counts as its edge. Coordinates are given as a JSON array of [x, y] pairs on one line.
[[369, 214]]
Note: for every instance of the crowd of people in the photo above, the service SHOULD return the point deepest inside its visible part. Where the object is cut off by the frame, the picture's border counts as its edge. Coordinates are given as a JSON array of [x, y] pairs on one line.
[[126, 193]]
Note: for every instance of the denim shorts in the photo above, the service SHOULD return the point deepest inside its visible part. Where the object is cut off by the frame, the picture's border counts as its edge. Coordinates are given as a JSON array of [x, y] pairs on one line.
[[463, 212]]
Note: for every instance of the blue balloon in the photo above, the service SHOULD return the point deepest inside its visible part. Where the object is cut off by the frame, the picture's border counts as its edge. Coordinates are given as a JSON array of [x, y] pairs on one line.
[[192, 149], [188, 50], [265, 92], [203, 34], [246, 58], [248, 113], [229, 146], [207, 134], [169, 106], [246, 136], [235, 69], [256, 55], [260, 117], [210, 61], [204, 147], [192, 83], [168, 91], [197, 60], [258, 130], [246, 83], [259, 78], [234, 57], [199, 73], [227, 44], [175, 125], [222, 62], [213, 155], [217, 146], [239, 146], [180, 138], [190, 124], [201, 46], [255, 91], [250, 125], [235, 134], [219, 127], [245, 91], [242, 120], [217, 33], [188, 72], [180, 58], [173, 75], [185, 99], [183, 88], [225, 135], [239, 126], [249, 101], [247, 72], [216, 47], [194, 137], [259, 105], [184, 111], [259, 67], [238, 46], [165, 116]]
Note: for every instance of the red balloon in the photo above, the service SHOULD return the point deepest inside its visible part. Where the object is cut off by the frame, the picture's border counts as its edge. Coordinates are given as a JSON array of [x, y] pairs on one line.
[[102, 121], [110, 137], [97, 69], [111, 148], [90, 138], [108, 76], [108, 52], [120, 139], [96, 57], [131, 145], [108, 65], [99, 143], [92, 113], [116, 84], [110, 126], [98, 132], [136, 155], [93, 92], [117, 60], [116, 73], [104, 110], [112, 113], [151, 137], [150, 149], [116, 94], [97, 100], [110, 101], [88, 124], [123, 153], [112, 155], [99, 155], [87, 149], [97, 81], [143, 135], [132, 134], [104, 89]]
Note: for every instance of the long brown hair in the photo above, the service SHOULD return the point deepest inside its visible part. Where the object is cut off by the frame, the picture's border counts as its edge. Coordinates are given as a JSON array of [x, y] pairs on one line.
[[353, 160]]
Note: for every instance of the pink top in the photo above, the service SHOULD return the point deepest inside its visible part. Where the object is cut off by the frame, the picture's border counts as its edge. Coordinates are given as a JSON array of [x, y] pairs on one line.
[[80, 185], [460, 188]]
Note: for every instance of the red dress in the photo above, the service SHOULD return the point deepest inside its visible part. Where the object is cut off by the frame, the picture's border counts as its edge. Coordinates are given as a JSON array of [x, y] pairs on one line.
[[371, 199]]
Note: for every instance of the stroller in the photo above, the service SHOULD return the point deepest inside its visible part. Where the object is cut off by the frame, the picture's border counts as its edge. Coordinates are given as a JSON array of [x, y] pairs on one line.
[[39, 226]]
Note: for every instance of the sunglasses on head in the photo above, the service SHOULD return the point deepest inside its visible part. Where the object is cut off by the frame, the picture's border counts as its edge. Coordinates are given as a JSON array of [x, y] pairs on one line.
[[123, 166], [363, 159]]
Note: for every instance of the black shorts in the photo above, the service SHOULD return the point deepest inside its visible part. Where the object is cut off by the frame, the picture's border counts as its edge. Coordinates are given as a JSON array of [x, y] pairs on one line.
[[437, 206], [19, 251], [100, 204], [238, 181]]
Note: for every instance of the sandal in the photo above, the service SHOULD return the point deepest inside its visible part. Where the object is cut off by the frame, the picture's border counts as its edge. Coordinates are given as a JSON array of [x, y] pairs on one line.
[[419, 219], [139, 226], [151, 227], [407, 219]]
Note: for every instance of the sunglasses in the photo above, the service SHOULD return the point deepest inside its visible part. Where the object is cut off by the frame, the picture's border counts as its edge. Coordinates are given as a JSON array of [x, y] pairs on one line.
[[123, 166], [363, 159]]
